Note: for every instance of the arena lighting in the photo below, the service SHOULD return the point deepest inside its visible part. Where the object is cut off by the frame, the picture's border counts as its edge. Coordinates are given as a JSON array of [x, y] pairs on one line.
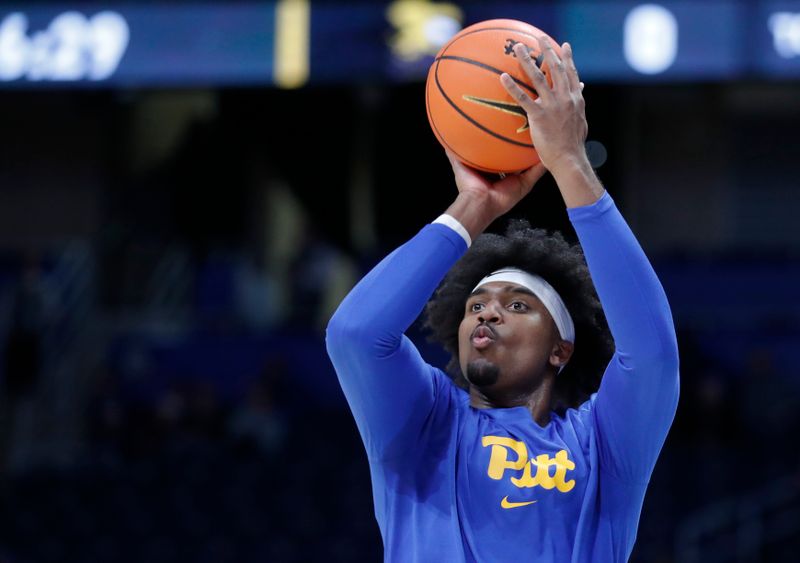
[[785, 30], [72, 47], [650, 38], [292, 41]]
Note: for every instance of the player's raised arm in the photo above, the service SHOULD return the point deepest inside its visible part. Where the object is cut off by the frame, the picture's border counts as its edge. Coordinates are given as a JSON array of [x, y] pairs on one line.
[[389, 387], [638, 396]]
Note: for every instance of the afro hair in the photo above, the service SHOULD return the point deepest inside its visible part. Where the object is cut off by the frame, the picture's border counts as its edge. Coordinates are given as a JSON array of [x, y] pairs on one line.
[[564, 267]]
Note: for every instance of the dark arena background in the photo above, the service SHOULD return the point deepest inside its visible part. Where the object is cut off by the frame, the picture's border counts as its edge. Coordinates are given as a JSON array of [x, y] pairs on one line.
[[188, 189]]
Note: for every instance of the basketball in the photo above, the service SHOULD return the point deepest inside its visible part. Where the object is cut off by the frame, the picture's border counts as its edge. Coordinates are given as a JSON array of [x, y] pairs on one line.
[[469, 110]]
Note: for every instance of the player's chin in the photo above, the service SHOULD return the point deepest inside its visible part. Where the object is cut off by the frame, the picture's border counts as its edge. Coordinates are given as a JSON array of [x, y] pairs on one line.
[[482, 372]]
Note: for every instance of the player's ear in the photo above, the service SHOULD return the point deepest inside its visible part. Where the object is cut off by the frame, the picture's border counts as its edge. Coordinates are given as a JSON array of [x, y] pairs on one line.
[[561, 353]]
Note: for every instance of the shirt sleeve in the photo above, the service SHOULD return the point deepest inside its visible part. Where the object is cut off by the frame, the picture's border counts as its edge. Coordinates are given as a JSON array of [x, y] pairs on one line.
[[388, 386], [636, 402]]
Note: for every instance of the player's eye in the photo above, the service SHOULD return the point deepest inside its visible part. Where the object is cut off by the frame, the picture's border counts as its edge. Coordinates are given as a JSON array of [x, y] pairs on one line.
[[475, 307], [518, 306]]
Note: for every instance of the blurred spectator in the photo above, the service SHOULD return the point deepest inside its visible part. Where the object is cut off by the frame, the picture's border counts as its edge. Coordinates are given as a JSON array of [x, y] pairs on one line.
[[204, 418], [256, 296], [714, 437], [215, 289], [320, 277], [106, 419], [258, 423], [33, 310], [24, 341], [769, 403], [707, 429]]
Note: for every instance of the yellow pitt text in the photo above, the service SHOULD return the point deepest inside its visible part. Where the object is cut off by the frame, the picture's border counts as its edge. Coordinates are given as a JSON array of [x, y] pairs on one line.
[[499, 462]]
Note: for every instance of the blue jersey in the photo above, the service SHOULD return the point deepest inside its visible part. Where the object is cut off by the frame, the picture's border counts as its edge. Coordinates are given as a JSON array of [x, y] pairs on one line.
[[455, 483]]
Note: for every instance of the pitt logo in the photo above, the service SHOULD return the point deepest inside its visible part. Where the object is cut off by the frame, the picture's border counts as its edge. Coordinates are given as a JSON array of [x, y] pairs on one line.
[[499, 462], [509, 47]]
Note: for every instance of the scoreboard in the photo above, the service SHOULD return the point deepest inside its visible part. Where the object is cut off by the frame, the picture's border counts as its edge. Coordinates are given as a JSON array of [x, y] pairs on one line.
[[291, 43]]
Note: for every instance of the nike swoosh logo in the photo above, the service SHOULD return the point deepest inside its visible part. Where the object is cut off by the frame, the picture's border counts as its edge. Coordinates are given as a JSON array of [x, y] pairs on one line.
[[505, 503], [500, 105]]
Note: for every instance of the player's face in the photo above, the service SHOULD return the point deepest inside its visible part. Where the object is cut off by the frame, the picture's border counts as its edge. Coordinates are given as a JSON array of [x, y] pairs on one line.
[[505, 340]]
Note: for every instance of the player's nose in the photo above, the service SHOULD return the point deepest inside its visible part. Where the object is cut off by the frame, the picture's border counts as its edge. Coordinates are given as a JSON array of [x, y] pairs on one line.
[[492, 313]]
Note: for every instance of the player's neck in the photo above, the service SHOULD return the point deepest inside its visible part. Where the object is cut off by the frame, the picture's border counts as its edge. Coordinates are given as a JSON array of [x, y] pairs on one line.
[[538, 401]]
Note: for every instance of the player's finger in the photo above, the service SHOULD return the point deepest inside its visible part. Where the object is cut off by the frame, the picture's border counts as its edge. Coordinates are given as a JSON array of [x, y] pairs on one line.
[[557, 68], [515, 91], [457, 166], [533, 71], [522, 183], [454, 162], [571, 70]]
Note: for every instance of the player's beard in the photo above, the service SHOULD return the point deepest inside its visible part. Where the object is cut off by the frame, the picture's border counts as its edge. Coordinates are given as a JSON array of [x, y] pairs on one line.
[[482, 373]]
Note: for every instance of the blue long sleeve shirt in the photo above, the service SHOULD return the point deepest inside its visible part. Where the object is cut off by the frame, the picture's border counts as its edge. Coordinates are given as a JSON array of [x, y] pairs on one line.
[[455, 483]]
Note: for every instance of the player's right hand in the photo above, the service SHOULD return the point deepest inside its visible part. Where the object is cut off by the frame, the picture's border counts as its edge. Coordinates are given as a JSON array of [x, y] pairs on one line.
[[494, 198]]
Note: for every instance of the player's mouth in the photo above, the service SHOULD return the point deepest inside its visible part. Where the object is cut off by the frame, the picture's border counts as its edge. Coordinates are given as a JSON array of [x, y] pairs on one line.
[[482, 337]]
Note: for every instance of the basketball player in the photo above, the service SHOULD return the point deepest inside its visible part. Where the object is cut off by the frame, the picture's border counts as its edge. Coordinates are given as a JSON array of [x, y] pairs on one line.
[[520, 465]]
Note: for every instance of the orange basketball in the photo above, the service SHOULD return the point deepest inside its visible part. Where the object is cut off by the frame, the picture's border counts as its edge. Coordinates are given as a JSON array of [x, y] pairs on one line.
[[470, 112]]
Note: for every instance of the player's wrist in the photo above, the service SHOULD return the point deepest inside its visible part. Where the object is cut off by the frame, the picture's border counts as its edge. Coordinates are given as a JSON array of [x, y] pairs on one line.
[[473, 211], [577, 182], [570, 165]]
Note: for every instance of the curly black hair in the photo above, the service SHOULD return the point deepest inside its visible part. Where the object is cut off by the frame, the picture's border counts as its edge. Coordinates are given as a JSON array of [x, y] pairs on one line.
[[564, 267]]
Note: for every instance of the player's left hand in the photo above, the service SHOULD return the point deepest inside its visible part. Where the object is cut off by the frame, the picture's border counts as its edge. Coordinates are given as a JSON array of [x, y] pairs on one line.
[[557, 118]]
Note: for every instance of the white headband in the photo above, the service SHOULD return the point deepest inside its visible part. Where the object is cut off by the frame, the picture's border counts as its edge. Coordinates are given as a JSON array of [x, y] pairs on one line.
[[544, 291]]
